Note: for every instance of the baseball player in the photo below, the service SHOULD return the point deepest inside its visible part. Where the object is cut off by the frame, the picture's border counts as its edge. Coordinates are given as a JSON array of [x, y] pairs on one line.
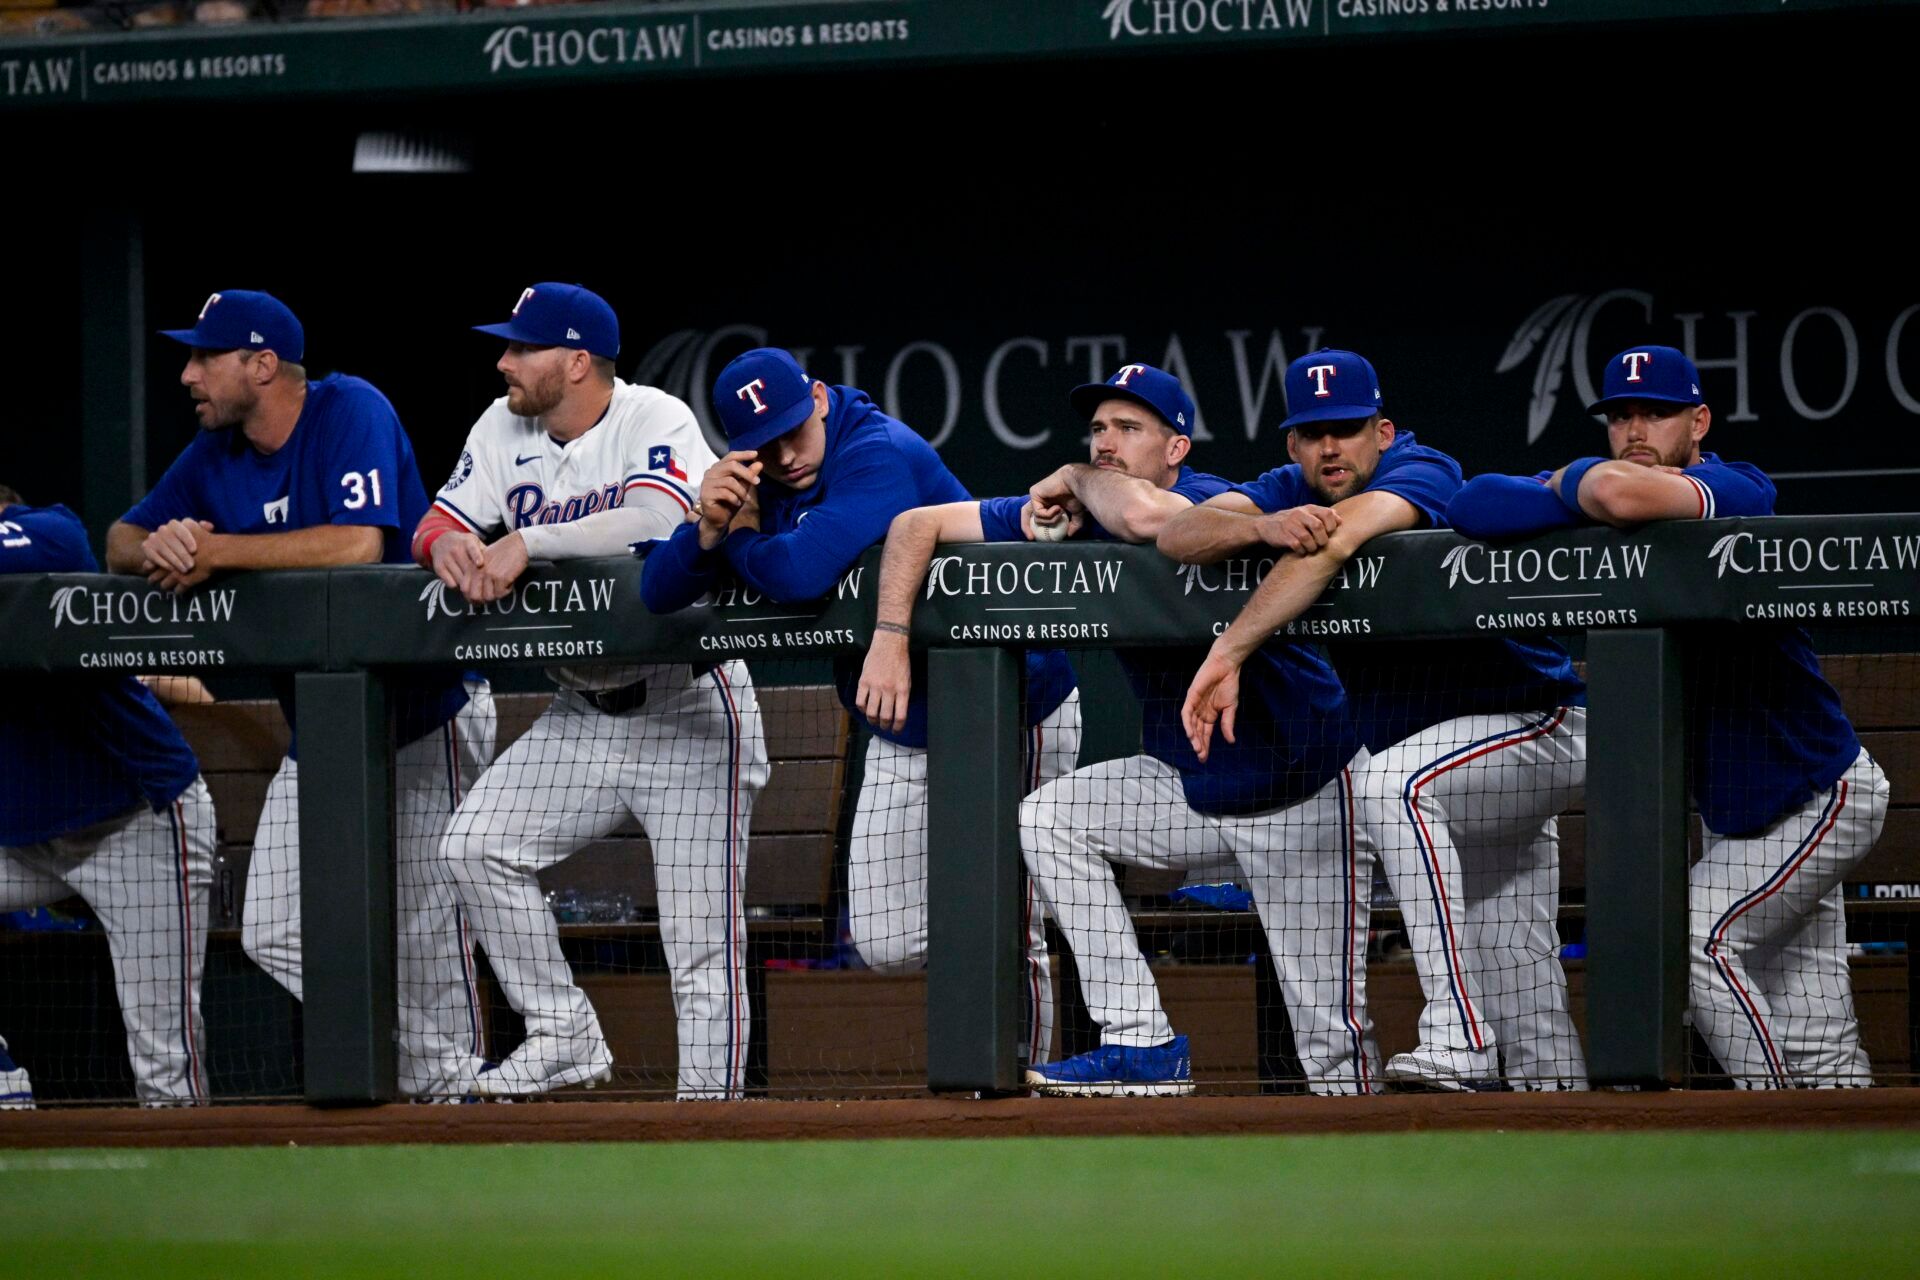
[[814, 477], [1074, 828], [1789, 798], [101, 796], [573, 462], [1475, 746], [286, 473]]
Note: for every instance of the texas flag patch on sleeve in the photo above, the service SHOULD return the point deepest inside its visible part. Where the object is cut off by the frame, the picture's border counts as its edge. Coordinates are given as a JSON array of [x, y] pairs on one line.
[[661, 457]]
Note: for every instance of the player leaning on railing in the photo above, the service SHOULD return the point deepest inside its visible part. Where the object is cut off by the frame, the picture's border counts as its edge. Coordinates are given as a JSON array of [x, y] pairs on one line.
[[813, 477], [1073, 830], [1789, 798], [290, 472], [1476, 745], [100, 796], [573, 462]]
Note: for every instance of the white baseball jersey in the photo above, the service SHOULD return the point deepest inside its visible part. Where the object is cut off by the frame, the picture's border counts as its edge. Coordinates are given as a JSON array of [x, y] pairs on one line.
[[513, 476]]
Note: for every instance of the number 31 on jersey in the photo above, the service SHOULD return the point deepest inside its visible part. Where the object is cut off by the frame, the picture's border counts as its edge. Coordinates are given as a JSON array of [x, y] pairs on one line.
[[358, 485]]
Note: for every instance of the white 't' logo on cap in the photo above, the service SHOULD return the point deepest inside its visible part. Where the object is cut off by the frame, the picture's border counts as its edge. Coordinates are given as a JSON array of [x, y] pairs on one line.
[[208, 305], [524, 295], [1633, 360], [751, 392], [1320, 373]]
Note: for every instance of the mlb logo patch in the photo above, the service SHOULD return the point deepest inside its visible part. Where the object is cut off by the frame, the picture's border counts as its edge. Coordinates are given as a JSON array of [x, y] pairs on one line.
[[661, 457]]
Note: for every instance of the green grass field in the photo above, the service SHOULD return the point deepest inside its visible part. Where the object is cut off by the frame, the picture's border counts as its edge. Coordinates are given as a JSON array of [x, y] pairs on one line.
[[1773, 1204]]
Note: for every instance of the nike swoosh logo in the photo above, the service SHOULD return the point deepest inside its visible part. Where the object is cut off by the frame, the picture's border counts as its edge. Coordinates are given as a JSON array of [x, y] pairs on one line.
[[521, 462]]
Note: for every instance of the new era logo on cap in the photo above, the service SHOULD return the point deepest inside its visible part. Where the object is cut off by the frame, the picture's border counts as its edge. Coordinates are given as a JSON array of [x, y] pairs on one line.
[[573, 334]]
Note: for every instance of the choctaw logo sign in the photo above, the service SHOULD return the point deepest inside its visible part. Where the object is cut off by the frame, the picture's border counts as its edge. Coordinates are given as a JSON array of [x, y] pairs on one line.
[[1557, 338], [594, 595]]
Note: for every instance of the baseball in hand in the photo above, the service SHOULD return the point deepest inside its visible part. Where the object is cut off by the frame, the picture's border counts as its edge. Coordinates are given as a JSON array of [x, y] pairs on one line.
[[1050, 530]]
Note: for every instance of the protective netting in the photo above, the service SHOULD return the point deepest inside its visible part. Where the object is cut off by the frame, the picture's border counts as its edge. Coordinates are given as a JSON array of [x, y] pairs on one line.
[[715, 887], [1802, 887]]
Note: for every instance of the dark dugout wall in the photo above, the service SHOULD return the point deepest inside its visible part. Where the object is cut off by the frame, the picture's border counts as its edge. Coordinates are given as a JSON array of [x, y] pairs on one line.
[[1487, 218]]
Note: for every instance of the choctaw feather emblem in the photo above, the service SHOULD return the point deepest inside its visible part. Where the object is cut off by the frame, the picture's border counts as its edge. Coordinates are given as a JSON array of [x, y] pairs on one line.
[[1723, 552], [435, 595], [1550, 329], [59, 603]]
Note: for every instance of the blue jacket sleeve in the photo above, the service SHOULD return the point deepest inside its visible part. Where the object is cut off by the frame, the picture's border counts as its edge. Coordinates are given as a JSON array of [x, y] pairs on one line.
[[175, 497], [804, 562], [1507, 506], [1000, 519], [1730, 489], [44, 540], [677, 572]]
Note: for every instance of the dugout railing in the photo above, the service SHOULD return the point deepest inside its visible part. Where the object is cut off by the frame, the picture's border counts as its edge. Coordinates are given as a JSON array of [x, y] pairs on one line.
[[1636, 596]]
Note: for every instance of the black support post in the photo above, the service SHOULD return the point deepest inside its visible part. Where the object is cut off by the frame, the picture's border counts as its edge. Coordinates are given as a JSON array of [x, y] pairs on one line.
[[346, 886], [113, 367], [1636, 858], [975, 942]]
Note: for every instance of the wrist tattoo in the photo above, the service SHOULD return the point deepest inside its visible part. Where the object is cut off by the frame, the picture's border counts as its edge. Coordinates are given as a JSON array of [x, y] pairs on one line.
[[893, 628]]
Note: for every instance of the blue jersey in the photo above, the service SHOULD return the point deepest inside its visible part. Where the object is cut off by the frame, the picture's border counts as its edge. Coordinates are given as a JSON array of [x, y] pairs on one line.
[[1765, 731], [348, 462], [1293, 729], [875, 468], [77, 751], [1399, 688]]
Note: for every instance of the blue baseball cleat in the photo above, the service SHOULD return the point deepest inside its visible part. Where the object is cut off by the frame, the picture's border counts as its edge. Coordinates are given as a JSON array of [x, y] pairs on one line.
[[1119, 1071], [16, 1091]]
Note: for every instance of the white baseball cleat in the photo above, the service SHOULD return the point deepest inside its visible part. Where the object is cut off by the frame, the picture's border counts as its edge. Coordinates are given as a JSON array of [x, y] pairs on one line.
[[543, 1063], [16, 1090], [1444, 1071]]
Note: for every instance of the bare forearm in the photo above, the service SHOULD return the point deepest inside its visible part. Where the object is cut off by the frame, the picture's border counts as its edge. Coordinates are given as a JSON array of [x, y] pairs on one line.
[[1206, 535], [123, 547], [319, 547], [1126, 506], [1288, 591], [1626, 493], [909, 550]]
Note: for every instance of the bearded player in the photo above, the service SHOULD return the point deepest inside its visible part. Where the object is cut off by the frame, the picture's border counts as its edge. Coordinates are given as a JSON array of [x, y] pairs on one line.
[[1075, 830], [1790, 799], [573, 462], [1476, 744], [290, 472]]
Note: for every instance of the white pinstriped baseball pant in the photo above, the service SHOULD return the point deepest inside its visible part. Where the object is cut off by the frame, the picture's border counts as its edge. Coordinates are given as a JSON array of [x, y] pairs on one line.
[[688, 766], [147, 876], [438, 998], [1772, 990], [1463, 818], [1307, 871], [887, 863]]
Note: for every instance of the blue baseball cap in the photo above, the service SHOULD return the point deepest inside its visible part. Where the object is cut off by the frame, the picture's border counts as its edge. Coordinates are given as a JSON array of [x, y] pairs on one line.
[[1330, 386], [1661, 374], [561, 315], [761, 396], [1155, 388], [235, 318]]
